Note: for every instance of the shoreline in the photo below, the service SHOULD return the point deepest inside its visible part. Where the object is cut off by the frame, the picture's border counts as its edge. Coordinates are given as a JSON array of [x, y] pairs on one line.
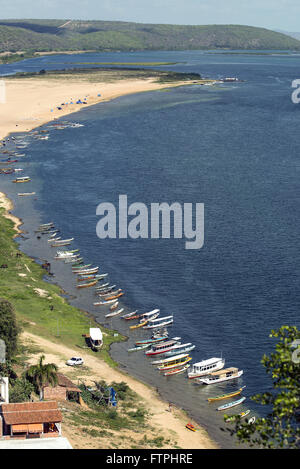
[[175, 421], [171, 422], [50, 98]]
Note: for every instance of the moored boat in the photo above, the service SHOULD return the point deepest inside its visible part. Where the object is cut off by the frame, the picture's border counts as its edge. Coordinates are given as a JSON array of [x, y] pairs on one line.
[[87, 285], [231, 404], [163, 347], [221, 376], [180, 348], [115, 313], [176, 371], [226, 396], [206, 367], [175, 362], [160, 322]]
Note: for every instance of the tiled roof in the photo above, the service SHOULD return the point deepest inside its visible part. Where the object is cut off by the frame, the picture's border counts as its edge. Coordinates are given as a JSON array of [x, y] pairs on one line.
[[31, 412]]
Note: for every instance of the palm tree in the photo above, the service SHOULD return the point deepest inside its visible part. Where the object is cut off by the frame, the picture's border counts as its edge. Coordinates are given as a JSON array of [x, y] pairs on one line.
[[42, 374]]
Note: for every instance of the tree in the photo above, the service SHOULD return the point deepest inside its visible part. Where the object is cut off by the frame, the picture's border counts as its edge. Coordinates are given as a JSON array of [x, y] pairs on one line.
[[8, 328], [281, 427], [20, 390], [42, 374]]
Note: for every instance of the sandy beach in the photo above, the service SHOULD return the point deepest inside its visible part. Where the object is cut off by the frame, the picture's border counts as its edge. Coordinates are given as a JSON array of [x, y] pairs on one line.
[[8, 207], [29, 102], [32, 102]]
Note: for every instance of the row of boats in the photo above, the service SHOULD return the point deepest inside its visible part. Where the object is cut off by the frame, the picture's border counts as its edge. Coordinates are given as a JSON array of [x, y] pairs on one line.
[[172, 356], [11, 151]]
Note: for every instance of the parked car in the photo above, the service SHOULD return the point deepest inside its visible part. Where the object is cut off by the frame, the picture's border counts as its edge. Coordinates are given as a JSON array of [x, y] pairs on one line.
[[75, 361]]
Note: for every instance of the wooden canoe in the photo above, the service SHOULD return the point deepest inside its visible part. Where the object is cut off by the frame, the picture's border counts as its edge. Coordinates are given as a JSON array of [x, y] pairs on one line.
[[87, 285], [226, 396]]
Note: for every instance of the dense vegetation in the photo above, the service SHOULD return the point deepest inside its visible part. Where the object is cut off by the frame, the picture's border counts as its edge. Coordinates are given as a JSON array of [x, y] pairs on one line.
[[59, 35], [8, 328], [281, 427]]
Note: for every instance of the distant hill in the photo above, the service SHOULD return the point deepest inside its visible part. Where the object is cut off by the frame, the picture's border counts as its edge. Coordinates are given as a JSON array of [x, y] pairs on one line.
[[59, 35], [294, 35]]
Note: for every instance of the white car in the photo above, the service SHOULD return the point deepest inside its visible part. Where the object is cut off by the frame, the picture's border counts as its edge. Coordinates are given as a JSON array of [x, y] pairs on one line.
[[74, 361]]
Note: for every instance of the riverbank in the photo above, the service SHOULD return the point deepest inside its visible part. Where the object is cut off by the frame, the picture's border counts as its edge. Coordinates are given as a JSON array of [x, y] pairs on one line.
[[34, 100], [57, 332]]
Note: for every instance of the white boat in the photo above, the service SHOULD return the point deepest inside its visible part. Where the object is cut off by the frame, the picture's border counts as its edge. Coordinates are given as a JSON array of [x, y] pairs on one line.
[[180, 348], [24, 194], [128, 315], [206, 367], [105, 303], [221, 376], [160, 322], [163, 347], [175, 362], [52, 239], [86, 271], [115, 313], [62, 242], [96, 338], [231, 404]]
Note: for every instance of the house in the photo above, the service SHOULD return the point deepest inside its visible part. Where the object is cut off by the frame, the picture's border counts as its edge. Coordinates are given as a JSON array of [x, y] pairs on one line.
[[30, 420], [62, 391]]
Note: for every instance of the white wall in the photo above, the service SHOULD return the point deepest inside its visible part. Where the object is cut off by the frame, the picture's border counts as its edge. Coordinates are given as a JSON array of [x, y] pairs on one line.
[[4, 393]]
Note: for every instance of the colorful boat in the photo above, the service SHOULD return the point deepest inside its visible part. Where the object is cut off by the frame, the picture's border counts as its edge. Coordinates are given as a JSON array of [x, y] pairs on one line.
[[152, 340], [140, 347], [191, 427], [163, 347], [87, 285], [128, 315], [226, 396], [176, 371], [231, 404], [160, 322], [221, 376], [21, 180], [145, 318], [171, 363]]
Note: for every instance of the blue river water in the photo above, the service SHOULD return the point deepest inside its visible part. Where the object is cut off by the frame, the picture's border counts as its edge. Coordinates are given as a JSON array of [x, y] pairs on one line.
[[235, 148]]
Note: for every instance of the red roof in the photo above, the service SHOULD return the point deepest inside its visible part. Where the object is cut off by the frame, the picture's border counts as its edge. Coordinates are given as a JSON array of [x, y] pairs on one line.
[[31, 412]]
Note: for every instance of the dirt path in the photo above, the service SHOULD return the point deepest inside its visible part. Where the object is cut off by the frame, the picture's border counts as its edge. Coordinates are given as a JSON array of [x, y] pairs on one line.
[[167, 423]]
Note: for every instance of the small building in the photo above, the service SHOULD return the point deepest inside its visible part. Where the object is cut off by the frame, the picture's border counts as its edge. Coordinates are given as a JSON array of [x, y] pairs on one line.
[[63, 391], [30, 420]]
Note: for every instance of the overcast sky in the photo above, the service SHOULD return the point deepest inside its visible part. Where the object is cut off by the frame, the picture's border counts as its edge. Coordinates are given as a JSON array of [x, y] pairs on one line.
[[272, 14]]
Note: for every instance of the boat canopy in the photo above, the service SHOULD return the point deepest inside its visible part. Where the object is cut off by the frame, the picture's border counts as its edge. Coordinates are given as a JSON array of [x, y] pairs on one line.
[[210, 361], [96, 334], [175, 359], [155, 311], [224, 372]]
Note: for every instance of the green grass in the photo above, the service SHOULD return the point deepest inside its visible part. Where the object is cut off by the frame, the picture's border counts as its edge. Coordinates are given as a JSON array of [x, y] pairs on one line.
[[65, 323]]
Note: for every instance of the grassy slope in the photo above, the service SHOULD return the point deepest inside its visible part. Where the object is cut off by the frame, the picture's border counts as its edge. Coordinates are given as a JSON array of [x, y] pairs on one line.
[[44, 35], [65, 323]]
